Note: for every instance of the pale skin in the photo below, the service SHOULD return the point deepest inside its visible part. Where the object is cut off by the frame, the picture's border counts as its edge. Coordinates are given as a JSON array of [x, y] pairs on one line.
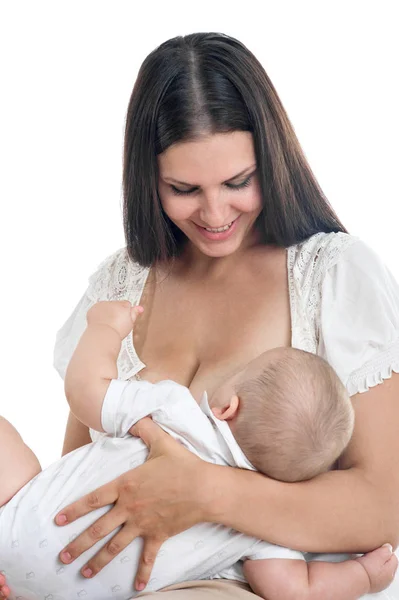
[[89, 373], [198, 343]]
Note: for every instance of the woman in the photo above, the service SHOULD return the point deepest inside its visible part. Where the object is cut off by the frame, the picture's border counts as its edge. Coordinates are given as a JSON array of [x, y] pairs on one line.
[[232, 249]]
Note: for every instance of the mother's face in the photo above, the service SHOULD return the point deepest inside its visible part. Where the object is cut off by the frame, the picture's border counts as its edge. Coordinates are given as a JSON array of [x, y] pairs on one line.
[[209, 188]]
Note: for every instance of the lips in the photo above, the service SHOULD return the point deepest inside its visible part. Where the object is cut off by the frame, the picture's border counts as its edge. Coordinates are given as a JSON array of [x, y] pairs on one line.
[[219, 229], [218, 234]]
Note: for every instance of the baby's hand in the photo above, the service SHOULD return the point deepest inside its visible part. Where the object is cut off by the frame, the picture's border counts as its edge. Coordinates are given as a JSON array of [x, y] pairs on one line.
[[118, 314], [4, 589]]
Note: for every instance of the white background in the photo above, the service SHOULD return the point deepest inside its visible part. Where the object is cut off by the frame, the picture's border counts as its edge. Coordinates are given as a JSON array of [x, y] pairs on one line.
[[67, 71]]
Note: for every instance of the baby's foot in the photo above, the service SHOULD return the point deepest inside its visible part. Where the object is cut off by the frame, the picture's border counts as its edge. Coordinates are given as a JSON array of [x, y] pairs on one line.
[[4, 589], [380, 566]]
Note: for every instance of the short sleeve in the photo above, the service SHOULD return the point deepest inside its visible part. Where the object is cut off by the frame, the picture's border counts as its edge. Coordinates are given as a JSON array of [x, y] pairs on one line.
[[359, 319], [170, 405], [128, 401], [68, 336]]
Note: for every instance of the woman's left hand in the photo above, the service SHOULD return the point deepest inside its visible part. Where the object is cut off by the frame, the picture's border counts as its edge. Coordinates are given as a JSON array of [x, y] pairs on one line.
[[155, 501]]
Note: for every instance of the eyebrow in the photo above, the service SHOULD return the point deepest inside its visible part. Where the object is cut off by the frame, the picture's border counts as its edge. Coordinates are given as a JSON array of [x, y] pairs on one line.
[[170, 179]]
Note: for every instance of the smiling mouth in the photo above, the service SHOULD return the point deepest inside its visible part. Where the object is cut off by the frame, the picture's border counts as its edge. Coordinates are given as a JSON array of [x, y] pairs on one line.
[[218, 229]]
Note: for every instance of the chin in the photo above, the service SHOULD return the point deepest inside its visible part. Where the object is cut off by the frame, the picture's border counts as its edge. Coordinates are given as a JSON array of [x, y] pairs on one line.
[[218, 252]]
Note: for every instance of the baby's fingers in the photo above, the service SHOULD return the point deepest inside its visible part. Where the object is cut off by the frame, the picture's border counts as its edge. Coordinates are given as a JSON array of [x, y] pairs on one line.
[[393, 565], [4, 589], [148, 555], [135, 312]]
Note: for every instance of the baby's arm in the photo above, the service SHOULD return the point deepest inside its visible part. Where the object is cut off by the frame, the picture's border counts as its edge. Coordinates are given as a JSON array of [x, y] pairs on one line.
[[285, 579], [93, 364]]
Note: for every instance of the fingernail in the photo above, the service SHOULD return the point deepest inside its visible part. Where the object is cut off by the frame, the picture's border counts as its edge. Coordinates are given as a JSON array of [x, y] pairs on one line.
[[87, 572], [388, 546], [61, 519], [66, 557], [140, 586]]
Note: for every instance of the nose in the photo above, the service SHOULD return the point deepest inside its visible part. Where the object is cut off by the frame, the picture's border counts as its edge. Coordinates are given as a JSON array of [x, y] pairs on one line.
[[213, 209]]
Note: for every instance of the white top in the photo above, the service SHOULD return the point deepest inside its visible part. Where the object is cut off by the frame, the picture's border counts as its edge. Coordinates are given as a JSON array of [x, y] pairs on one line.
[[344, 307], [30, 541]]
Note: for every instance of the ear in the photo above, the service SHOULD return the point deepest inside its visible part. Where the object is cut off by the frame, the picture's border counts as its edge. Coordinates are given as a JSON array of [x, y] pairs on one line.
[[228, 412]]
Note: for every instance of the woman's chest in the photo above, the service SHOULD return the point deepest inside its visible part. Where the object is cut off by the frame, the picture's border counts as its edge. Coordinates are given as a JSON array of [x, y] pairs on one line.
[[198, 333]]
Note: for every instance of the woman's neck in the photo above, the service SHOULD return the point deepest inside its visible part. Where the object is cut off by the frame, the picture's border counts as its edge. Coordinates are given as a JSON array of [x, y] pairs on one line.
[[194, 263], [199, 265]]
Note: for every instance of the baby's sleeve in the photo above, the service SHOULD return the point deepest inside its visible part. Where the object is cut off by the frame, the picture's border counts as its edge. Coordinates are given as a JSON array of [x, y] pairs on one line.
[[68, 336], [263, 550], [126, 402], [170, 405], [359, 319]]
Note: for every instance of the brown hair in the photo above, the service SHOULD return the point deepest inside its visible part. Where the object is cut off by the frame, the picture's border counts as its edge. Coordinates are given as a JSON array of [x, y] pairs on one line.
[[207, 83]]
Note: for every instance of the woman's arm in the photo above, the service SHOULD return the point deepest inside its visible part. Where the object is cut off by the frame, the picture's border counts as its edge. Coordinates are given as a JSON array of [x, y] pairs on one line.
[[76, 435], [352, 510]]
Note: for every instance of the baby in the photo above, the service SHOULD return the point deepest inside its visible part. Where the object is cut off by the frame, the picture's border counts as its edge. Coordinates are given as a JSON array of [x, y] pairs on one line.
[[285, 414]]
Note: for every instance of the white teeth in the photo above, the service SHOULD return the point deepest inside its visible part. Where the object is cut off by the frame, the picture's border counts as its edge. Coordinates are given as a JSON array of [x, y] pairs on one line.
[[219, 229]]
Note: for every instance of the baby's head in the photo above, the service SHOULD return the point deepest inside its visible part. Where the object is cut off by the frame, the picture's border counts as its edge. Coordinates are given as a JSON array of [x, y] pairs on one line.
[[289, 412]]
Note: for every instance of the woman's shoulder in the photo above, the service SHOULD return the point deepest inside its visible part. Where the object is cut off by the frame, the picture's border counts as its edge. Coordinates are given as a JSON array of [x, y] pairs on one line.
[[319, 252], [312, 259], [336, 270], [116, 277], [349, 302]]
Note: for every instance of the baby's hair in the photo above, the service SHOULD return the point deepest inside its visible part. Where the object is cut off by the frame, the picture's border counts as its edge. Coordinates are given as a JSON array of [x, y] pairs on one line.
[[295, 419]]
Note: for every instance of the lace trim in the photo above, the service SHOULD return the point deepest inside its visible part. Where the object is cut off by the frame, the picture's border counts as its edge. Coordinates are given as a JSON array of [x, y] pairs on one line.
[[118, 278], [375, 371], [307, 265]]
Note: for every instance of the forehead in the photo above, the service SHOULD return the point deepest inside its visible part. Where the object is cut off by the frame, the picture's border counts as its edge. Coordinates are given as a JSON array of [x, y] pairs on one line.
[[212, 158]]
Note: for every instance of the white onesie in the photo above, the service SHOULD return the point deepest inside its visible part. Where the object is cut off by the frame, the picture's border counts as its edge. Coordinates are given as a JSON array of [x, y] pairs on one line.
[[30, 541]]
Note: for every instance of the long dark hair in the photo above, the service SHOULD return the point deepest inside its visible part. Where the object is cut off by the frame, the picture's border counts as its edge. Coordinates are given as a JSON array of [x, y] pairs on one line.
[[211, 83]]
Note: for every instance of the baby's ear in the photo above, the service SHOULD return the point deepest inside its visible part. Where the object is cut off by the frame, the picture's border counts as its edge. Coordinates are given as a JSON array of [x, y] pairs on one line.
[[228, 412]]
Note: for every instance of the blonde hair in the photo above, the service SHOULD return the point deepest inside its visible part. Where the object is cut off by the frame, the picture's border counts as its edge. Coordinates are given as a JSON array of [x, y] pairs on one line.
[[295, 418]]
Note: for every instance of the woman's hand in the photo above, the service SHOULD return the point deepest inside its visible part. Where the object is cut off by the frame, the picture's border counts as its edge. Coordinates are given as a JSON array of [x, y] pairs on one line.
[[159, 499]]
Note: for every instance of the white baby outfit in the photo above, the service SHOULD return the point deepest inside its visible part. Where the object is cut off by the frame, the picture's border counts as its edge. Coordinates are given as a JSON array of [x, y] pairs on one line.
[[30, 542]]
